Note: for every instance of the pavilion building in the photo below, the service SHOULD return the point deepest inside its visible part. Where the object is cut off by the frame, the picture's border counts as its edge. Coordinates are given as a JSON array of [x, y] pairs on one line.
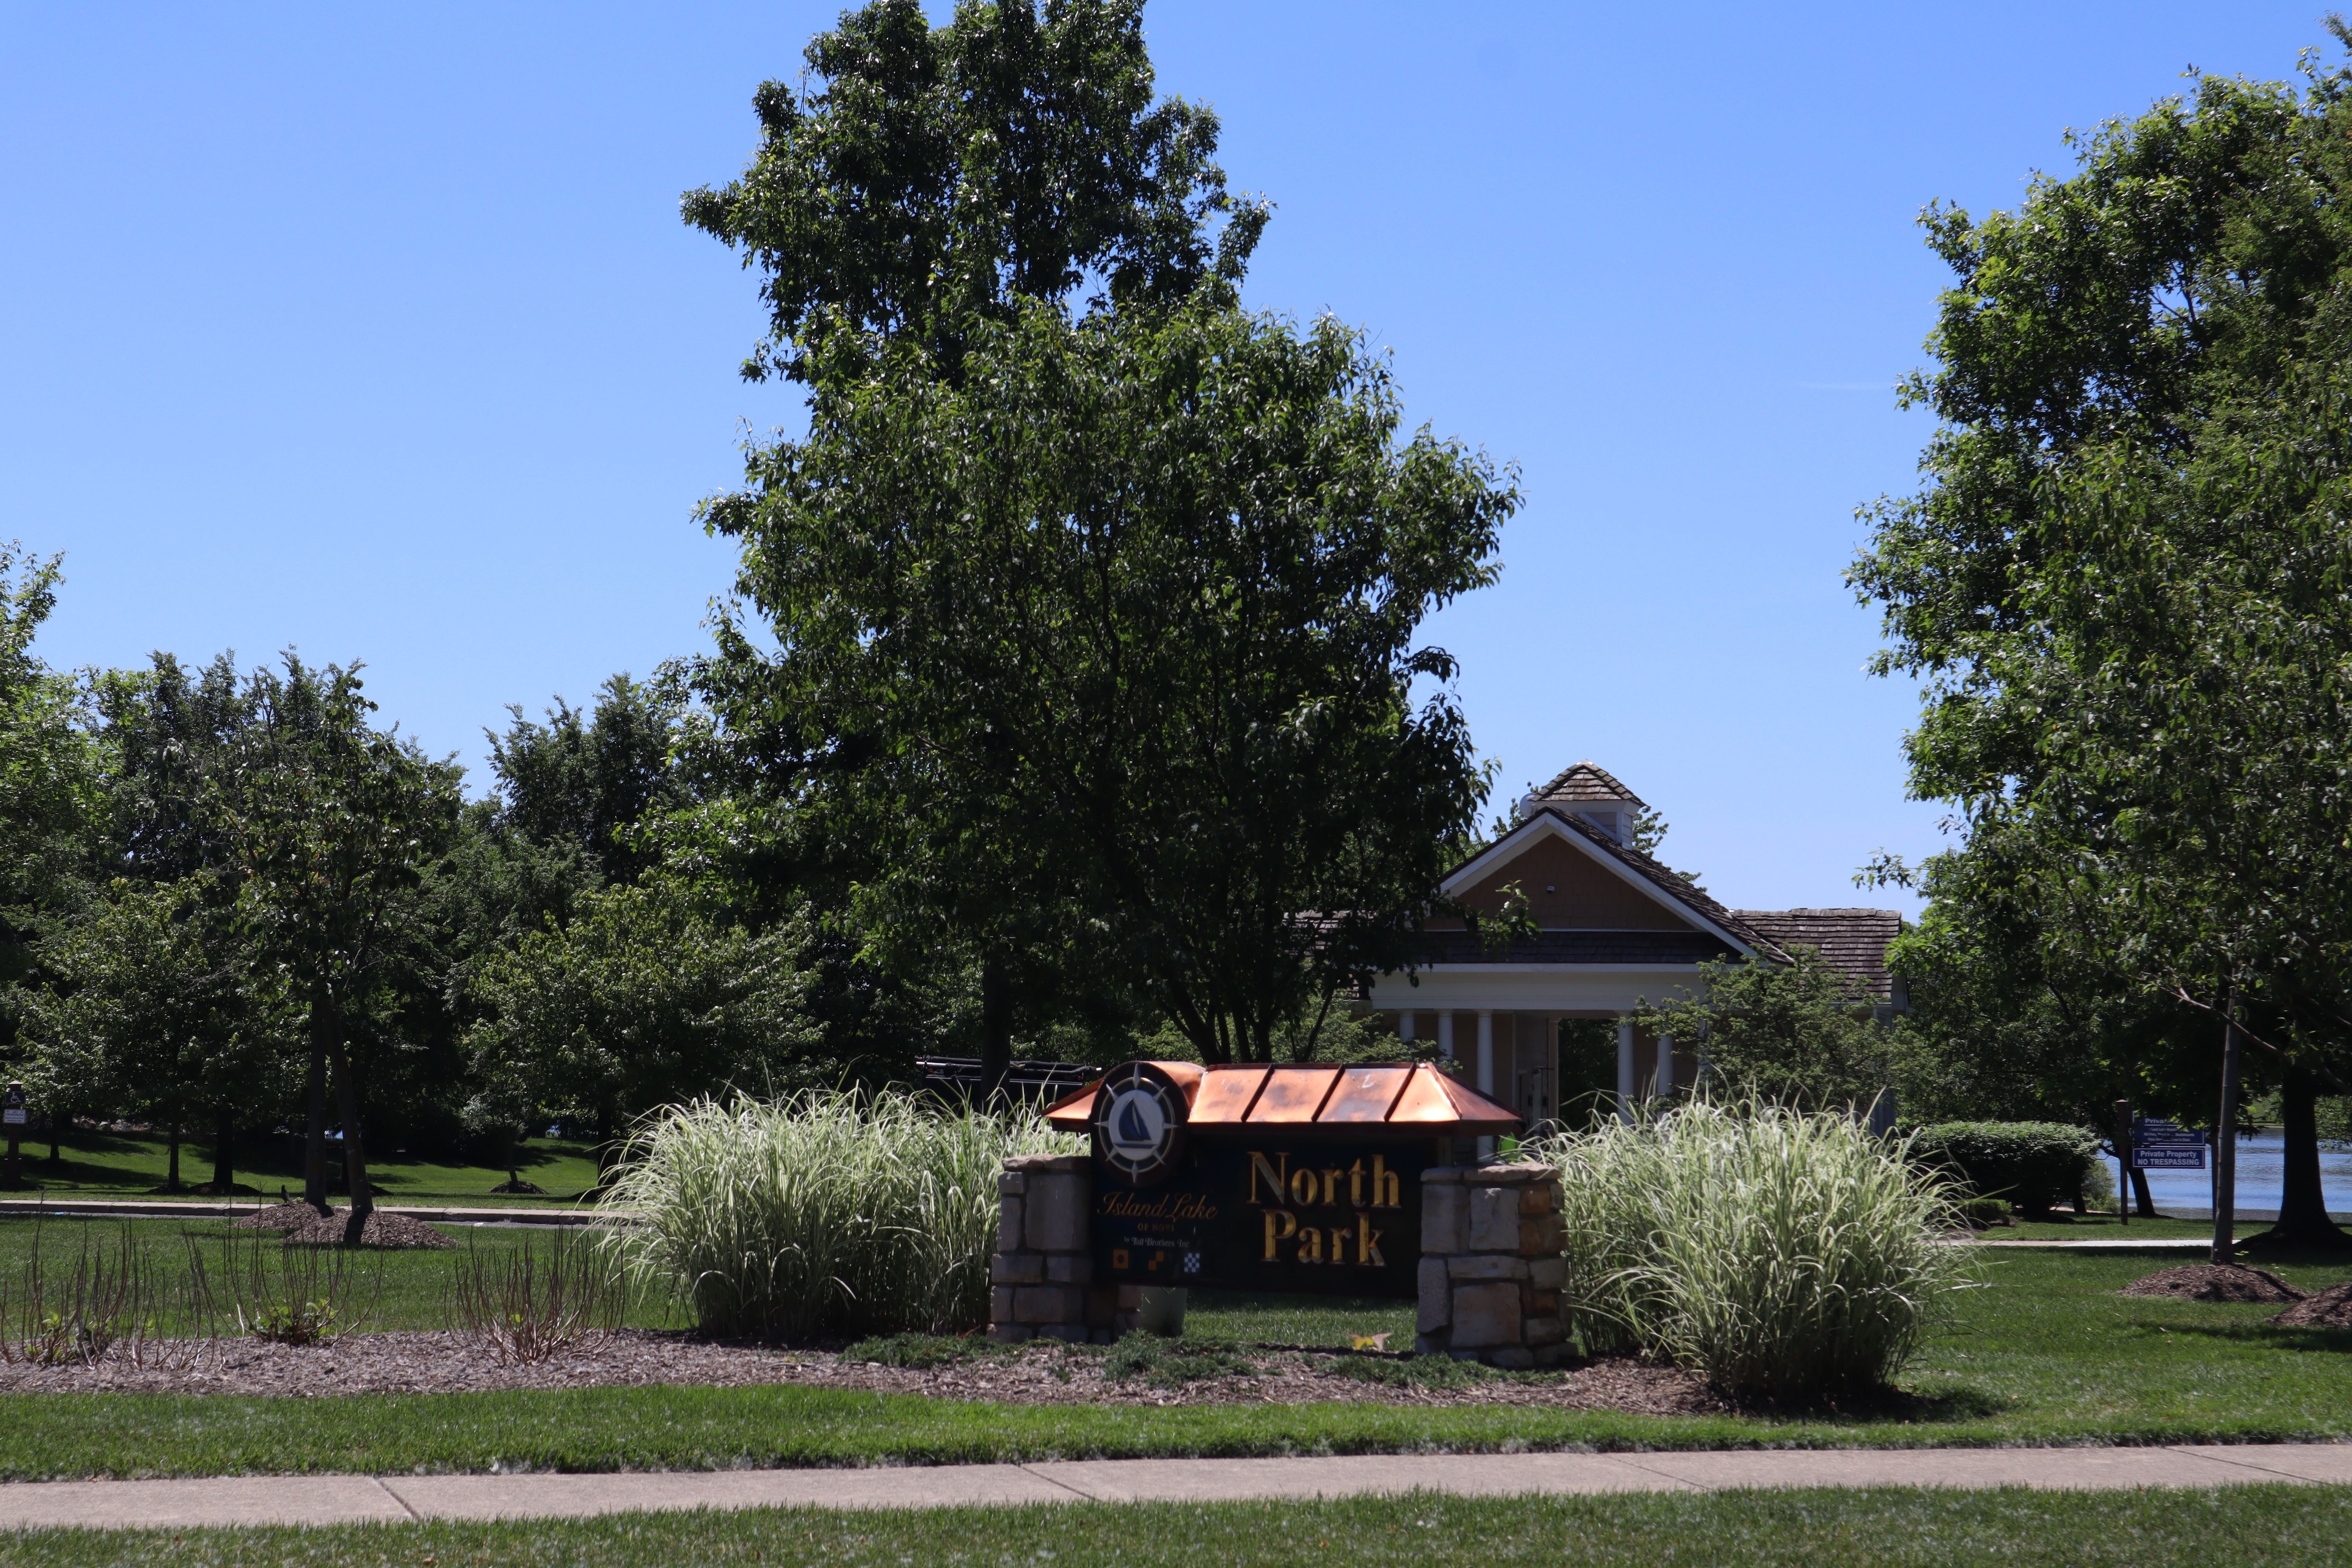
[[1616, 929]]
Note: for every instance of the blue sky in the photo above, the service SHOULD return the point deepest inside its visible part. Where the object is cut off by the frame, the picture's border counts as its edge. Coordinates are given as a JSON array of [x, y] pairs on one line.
[[372, 331]]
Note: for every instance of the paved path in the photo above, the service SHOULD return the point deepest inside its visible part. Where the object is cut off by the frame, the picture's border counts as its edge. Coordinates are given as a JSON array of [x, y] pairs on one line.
[[184, 1209], [351, 1499]]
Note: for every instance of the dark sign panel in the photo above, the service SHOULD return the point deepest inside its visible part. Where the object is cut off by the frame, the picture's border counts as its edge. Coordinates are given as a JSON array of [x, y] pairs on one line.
[[2160, 1145], [1272, 1213]]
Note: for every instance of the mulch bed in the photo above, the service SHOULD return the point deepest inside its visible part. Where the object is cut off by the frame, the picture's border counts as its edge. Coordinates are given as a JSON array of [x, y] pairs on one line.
[[1038, 1373], [2331, 1308], [2214, 1282], [302, 1224]]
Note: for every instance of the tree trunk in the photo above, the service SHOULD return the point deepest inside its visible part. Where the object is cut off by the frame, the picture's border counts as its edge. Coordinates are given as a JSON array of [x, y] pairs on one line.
[[171, 1171], [225, 1154], [347, 1100], [2143, 1201], [2302, 1205], [56, 1132], [2225, 1142], [996, 1029], [314, 1093]]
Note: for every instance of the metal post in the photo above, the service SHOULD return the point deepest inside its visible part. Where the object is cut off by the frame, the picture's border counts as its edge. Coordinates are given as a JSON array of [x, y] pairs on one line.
[[12, 1112], [2225, 1142], [2123, 1161]]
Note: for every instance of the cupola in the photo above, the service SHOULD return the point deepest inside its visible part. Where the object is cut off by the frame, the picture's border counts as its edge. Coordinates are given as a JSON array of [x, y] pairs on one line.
[[1588, 792]]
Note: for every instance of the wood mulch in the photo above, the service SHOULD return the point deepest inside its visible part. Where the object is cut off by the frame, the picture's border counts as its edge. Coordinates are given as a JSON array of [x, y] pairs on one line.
[[2331, 1308], [2214, 1282], [306, 1226], [1037, 1373]]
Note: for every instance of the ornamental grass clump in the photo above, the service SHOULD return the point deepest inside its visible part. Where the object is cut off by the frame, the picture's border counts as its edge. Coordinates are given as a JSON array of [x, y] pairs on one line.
[[825, 1214], [1786, 1256]]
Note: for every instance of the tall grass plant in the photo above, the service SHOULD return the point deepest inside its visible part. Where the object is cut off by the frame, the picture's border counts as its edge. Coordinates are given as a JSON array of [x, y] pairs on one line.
[[1785, 1254], [824, 1213]]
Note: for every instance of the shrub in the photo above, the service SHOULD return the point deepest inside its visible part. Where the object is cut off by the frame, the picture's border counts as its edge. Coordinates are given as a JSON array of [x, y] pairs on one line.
[[2032, 1164], [524, 1308], [1782, 1253], [822, 1213]]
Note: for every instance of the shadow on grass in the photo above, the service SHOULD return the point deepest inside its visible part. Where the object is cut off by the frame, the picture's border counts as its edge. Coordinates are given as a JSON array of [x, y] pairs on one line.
[[2299, 1338], [1879, 1405]]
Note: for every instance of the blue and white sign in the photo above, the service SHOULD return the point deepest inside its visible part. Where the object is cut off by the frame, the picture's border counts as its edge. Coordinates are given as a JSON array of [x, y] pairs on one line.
[[2161, 1145]]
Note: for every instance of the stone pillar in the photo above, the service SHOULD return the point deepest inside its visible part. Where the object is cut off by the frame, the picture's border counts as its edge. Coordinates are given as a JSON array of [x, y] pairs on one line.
[[1042, 1277], [1491, 1269], [1625, 1084], [1665, 1064]]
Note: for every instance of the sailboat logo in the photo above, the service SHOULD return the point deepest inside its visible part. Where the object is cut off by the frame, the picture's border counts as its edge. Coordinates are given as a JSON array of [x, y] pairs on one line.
[[1138, 1122]]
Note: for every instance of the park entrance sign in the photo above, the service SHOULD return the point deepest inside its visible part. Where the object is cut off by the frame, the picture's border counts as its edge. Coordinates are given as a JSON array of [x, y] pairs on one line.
[[1304, 1178]]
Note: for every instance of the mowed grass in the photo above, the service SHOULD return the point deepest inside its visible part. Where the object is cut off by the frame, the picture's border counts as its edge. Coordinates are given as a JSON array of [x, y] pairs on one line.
[[134, 1165], [2278, 1526], [2043, 1352]]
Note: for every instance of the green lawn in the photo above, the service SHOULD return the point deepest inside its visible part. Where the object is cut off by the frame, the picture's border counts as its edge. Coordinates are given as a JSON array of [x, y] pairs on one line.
[[134, 1165], [2043, 1352], [2280, 1527]]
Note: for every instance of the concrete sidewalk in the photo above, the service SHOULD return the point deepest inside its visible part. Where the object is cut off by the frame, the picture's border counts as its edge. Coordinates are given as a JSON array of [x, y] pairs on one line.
[[353, 1499]]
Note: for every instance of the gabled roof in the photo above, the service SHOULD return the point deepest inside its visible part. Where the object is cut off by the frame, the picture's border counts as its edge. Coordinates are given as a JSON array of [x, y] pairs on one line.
[[1583, 783], [1659, 881], [1851, 941]]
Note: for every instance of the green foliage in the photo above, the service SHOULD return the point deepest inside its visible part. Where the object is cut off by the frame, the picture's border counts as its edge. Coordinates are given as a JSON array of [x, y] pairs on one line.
[[822, 1212], [938, 176], [1203, 725], [51, 768], [1784, 1254], [917, 1353], [2032, 1164], [584, 781], [1413, 1372], [1171, 1363], [645, 1000], [1798, 1034]]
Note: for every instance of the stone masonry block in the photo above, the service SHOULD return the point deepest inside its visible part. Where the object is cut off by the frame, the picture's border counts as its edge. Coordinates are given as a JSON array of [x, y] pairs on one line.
[[1062, 1164], [1070, 1333], [1429, 1345], [1511, 1358], [1049, 1304], [1548, 1273], [1441, 1219], [1000, 1304], [1443, 1176], [1542, 1236], [1493, 1221], [1486, 1315], [1517, 1173], [1054, 1212], [1541, 1304], [1016, 1269], [1544, 1330], [1486, 1266], [1011, 1333], [1008, 1224], [1070, 1268], [1012, 1183], [1436, 1296], [1538, 1197]]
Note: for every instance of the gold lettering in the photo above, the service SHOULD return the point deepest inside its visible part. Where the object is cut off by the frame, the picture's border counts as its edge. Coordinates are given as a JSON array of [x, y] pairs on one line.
[[1288, 1223], [1338, 1245], [1331, 1187], [1275, 1178], [1388, 1192], [1356, 1183], [1310, 1245], [1302, 1187], [1367, 1240]]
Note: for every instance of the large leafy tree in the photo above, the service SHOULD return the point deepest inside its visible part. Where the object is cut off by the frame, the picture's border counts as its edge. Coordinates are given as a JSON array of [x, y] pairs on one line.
[[644, 1000], [1093, 622], [52, 771], [332, 824], [2124, 582], [1118, 635]]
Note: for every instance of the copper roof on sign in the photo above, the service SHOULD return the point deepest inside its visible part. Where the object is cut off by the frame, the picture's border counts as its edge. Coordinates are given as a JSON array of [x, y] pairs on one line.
[[1405, 1095]]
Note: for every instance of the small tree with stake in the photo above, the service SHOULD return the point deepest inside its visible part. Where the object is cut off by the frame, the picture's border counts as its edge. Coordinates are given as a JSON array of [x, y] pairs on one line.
[[331, 821]]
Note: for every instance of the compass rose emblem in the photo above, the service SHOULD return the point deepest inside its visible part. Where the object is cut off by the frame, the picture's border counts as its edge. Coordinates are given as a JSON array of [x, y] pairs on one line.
[[1138, 1125]]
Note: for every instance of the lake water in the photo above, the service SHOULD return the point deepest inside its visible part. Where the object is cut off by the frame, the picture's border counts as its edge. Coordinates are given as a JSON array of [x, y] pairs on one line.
[[2261, 1169]]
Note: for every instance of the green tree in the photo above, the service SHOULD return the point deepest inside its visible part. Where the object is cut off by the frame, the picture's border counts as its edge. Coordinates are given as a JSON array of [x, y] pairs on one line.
[[52, 771], [1797, 1033], [1114, 642], [154, 1011], [585, 780], [2122, 586], [332, 823], [939, 177], [645, 1000]]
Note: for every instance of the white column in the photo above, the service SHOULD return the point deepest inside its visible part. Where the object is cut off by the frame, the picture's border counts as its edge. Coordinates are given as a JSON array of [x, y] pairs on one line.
[[1547, 1064], [1446, 1036], [1404, 1028], [1625, 1063], [1665, 1063]]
